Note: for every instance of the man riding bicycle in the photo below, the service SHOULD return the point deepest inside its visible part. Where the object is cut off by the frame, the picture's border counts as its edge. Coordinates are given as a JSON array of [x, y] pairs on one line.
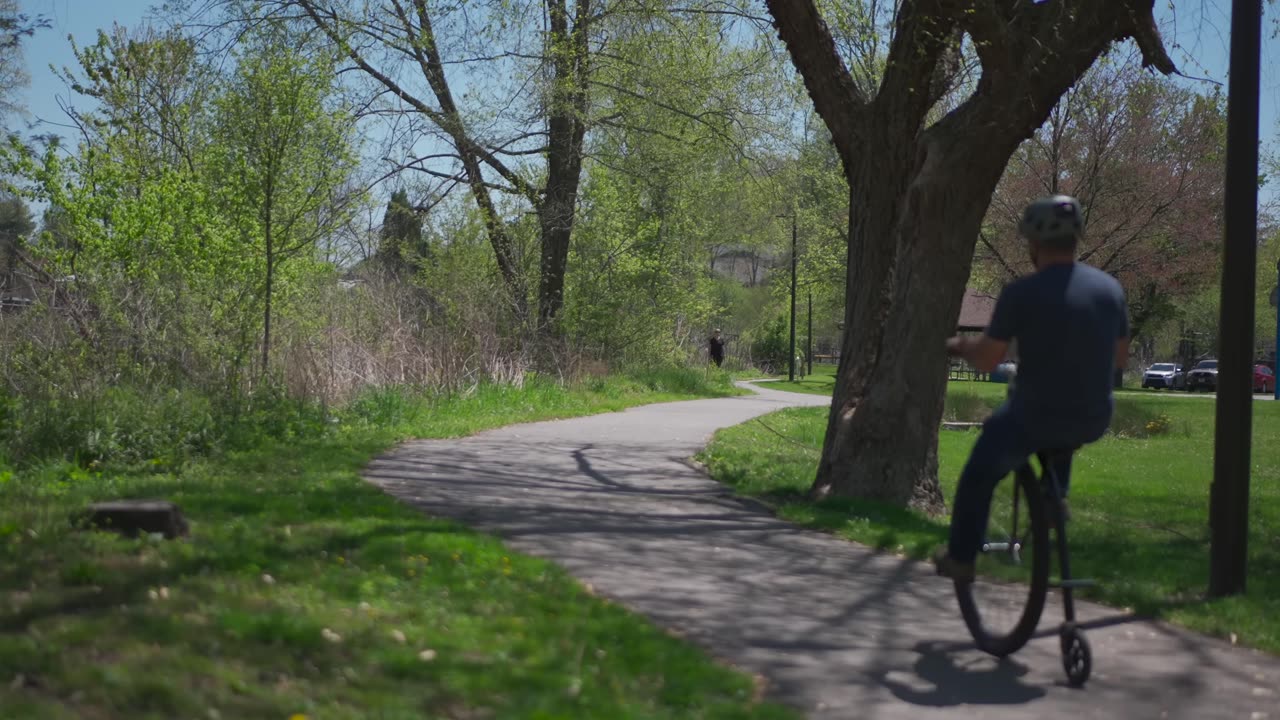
[[1071, 326]]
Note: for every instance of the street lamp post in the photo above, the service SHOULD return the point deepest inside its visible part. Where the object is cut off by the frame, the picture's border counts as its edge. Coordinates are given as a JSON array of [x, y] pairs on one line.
[[808, 342], [791, 365], [1275, 300]]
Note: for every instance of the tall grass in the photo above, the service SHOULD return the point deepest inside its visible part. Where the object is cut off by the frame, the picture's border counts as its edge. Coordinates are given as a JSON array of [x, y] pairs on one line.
[[164, 428], [304, 590]]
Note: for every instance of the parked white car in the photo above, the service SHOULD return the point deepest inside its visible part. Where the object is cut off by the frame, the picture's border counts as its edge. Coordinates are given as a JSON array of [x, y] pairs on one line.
[[1163, 375]]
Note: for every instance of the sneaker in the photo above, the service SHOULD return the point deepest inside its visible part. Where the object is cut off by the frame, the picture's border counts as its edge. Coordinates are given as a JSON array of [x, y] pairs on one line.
[[947, 567]]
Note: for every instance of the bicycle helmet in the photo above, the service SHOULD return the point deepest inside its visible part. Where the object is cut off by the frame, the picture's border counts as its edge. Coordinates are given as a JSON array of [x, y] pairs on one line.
[[1056, 221]]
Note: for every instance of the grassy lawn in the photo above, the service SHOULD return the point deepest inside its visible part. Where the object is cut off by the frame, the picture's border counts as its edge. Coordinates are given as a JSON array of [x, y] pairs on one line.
[[821, 382], [1139, 503], [304, 592]]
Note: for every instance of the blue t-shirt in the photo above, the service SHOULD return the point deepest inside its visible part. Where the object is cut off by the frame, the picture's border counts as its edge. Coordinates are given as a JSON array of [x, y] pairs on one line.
[[1065, 320]]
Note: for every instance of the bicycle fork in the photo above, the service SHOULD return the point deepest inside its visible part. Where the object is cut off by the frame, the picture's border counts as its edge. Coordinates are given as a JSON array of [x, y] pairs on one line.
[[1076, 655], [1065, 582]]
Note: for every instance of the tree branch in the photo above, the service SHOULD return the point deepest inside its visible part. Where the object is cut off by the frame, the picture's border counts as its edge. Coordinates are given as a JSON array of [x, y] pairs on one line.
[[456, 177], [428, 53], [923, 33], [835, 95], [1013, 274]]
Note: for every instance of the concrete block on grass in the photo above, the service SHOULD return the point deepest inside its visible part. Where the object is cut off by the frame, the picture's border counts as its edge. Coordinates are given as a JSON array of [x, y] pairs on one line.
[[132, 518]]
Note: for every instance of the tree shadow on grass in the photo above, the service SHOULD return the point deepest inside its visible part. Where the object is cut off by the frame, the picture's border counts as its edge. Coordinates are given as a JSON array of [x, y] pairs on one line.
[[887, 528]]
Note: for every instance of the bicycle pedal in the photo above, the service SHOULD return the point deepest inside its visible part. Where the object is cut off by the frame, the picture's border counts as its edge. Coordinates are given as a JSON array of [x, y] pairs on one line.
[[1075, 583]]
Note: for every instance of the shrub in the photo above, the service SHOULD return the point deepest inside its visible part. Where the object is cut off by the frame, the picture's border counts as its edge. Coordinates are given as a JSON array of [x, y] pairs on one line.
[[770, 344], [139, 425], [681, 379]]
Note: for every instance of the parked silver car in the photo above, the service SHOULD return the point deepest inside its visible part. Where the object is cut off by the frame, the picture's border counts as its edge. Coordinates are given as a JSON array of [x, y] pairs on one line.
[[1163, 375]]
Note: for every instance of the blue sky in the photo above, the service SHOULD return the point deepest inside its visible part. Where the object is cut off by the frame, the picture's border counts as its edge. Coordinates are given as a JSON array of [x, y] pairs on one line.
[[1196, 31], [1198, 35], [80, 18]]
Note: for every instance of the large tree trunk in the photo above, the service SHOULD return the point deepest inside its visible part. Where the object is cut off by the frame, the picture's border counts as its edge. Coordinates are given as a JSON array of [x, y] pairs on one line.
[[566, 128], [557, 212], [912, 240], [556, 220], [917, 201]]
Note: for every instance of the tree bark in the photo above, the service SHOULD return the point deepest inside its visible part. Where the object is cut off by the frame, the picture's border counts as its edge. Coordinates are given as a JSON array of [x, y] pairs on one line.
[[881, 440], [917, 200], [566, 125]]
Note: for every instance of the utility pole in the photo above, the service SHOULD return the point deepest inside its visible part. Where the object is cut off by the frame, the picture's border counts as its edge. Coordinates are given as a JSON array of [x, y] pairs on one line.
[[1275, 302], [791, 373], [1233, 427], [809, 337]]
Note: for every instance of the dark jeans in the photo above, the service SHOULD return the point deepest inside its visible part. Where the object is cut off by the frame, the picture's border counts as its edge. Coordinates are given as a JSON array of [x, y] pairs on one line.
[[1005, 444]]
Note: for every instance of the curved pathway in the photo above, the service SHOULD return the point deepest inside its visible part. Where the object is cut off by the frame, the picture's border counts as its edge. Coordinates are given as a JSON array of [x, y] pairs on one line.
[[837, 629]]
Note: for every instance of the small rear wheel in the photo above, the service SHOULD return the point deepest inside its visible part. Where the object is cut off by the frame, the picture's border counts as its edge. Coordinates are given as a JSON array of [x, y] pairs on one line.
[[1002, 605], [1077, 659]]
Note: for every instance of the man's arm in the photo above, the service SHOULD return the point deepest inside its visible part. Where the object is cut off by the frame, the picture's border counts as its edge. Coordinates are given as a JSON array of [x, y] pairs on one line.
[[984, 353], [987, 351], [1122, 332]]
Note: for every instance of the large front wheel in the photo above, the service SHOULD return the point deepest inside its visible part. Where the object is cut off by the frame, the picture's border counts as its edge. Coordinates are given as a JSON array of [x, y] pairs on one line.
[[1002, 605]]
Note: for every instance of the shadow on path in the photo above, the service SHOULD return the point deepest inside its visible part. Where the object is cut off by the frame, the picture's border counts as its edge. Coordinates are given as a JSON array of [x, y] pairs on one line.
[[837, 629]]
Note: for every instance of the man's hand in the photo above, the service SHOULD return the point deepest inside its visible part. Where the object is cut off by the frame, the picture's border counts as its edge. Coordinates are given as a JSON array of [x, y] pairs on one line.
[[984, 352]]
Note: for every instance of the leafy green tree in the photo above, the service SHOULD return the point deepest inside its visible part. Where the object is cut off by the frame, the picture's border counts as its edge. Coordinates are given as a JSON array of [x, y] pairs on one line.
[[673, 189], [131, 217], [16, 225], [400, 239], [152, 90], [540, 78], [56, 229], [285, 147]]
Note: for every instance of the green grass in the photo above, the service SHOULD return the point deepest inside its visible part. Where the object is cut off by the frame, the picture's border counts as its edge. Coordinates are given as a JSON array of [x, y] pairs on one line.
[[1139, 503], [821, 382], [303, 590]]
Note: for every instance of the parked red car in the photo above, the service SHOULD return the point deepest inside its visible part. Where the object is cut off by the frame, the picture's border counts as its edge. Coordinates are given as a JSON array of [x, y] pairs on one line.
[[1264, 381], [1205, 375]]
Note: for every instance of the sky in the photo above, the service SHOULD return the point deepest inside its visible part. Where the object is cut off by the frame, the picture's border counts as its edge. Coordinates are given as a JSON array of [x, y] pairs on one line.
[[1196, 31], [80, 18]]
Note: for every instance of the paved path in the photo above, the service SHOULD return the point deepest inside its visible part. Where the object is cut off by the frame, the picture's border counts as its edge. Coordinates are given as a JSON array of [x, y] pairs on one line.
[[838, 630]]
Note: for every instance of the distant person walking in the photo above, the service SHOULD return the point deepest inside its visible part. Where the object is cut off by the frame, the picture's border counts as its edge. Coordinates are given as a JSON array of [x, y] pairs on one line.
[[715, 348]]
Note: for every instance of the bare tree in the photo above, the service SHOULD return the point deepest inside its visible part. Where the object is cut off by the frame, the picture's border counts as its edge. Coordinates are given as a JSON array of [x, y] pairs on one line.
[[1145, 156], [402, 46]]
